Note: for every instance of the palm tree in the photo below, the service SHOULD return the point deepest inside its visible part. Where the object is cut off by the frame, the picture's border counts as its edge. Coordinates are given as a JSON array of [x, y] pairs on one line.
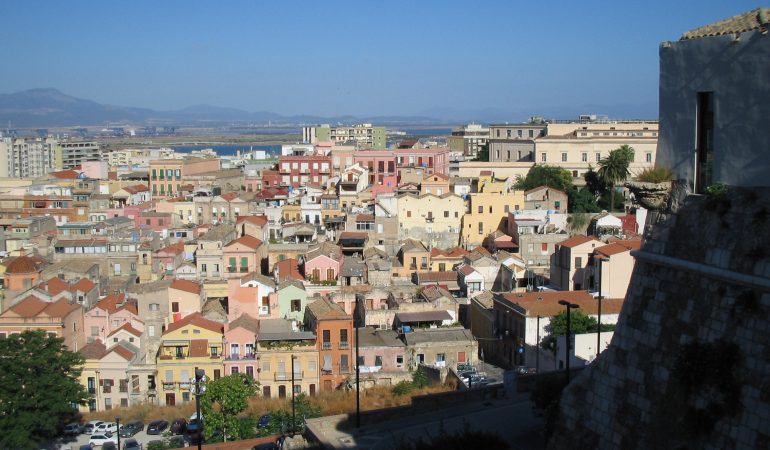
[[614, 168]]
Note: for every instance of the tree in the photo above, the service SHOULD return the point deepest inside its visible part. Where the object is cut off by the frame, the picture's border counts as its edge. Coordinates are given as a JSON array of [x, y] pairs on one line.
[[39, 384], [280, 421], [545, 175], [614, 168], [580, 324], [225, 398], [483, 153]]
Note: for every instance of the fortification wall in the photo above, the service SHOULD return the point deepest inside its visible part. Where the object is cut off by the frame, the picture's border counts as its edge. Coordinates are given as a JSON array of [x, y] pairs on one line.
[[689, 365]]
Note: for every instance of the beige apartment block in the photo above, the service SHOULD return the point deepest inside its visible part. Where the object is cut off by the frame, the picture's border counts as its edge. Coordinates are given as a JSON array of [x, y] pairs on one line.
[[487, 212]]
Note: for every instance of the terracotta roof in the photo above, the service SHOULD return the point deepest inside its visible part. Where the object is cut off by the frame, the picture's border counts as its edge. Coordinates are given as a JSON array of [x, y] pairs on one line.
[[325, 309], [199, 348], [546, 304], [56, 285], [29, 307], [257, 220], [230, 196], [576, 240], [748, 21], [127, 354], [93, 350], [186, 285], [127, 327], [450, 275], [195, 319], [466, 269], [413, 244], [111, 301], [365, 218], [136, 188], [173, 248], [65, 174], [60, 308], [288, 268], [611, 249], [353, 235], [83, 285], [24, 264], [453, 253], [246, 322], [248, 241], [481, 250], [485, 173], [131, 307]]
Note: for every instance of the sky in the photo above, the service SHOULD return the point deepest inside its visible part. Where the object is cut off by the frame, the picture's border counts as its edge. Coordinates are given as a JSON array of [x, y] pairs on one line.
[[485, 60]]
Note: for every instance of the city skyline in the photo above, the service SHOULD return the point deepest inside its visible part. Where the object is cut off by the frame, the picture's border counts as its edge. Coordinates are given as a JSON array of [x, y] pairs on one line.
[[498, 61]]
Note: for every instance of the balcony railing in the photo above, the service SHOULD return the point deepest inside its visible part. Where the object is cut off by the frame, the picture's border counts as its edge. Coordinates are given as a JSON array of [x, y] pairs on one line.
[[92, 390], [264, 310], [344, 369], [326, 346], [168, 386], [344, 345], [286, 376]]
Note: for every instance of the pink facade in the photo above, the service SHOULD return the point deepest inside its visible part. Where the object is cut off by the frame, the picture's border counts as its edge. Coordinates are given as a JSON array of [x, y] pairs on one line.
[[130, 211], [239, 351], [243, 255], [155, 221], [381, 164], [107, 316], [388, 357], [299, 171], [322, 268], [250, 297], [95, 169], [433, 160], [388, 184]]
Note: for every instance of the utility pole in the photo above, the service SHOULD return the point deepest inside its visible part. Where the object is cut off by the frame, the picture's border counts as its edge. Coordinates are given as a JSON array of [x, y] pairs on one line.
[[293, 406]]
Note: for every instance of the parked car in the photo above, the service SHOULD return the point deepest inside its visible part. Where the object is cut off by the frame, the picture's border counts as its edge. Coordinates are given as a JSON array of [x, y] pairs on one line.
[[85, 447], [157, 427], [90, 426], [178, 426], [132, 444], [100, 439], [103, 427], [131, 428], [71, 429], [109, 446]]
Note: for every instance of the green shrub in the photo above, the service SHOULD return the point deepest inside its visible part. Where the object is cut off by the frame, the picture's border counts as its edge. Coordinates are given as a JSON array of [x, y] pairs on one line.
[[655, 175], [402, 388]]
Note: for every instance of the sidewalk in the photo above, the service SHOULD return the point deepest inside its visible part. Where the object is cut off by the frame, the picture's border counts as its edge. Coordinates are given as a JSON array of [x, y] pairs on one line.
[[511, 418]]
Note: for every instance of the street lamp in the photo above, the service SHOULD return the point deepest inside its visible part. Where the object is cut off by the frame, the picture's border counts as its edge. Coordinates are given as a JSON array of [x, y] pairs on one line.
[[599, 321], [293, 408], [117, 425], [537, 348], [568, 340], [200, 388]]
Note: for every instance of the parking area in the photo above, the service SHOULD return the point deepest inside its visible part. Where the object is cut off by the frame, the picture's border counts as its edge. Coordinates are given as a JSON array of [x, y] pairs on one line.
[[74, 442]]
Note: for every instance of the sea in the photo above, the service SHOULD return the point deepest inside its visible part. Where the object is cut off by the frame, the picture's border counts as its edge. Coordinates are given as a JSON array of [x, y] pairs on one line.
[[228, 149]]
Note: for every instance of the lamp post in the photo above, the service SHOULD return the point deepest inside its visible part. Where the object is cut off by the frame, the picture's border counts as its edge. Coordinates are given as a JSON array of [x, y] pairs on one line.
[[293, 407], [537, 348], [599, 321], [568, 339], [117, 424], [200, 388], [358, 318]]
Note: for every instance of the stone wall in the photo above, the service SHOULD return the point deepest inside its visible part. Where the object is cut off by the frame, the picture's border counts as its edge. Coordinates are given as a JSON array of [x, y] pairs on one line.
[[689, 365]]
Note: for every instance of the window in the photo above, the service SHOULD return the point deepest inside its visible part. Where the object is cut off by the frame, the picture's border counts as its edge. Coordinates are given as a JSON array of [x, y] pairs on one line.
[[481, 210], [481, 227], [378, 361], [233, 370], [564, 157], [648, 157], [456, 215], [508, 134], [409, 214], [542, 157], [235, 349], [344, 364], [217, 374], [175, 307], [151, 330], [578, 262], [265, 366], [598, 157], [544, 247], [214, 351], [296, 306], [531, 134], [327, 337], [399, 360], [154, 307], [343, 335], [446, 214], [507, 208], [584, 157], [420, 358], [250, 371]]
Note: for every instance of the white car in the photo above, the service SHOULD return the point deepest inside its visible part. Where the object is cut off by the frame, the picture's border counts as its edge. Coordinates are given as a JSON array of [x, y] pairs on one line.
[[91, 426], [103, 427], [101, 438]]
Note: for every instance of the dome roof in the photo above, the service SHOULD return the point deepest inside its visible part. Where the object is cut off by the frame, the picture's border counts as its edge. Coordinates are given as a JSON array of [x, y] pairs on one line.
[[23, 264]]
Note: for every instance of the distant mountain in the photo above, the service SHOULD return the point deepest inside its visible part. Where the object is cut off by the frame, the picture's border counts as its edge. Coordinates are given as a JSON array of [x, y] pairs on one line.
[[48, 107]]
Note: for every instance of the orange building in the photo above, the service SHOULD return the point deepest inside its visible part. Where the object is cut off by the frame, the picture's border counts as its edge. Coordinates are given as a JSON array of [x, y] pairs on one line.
[[334, 331], [60, 318], [21, 274]]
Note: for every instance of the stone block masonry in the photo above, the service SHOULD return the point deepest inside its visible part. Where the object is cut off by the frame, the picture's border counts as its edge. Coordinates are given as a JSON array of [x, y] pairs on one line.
[[687, 367]]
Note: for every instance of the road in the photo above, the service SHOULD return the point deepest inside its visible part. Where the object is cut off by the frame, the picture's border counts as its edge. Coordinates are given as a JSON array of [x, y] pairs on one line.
[[514, 421], [75, 442]]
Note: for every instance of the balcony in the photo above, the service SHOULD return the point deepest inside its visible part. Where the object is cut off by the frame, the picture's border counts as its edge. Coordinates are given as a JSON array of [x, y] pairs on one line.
[[233, 357], [244, 269], [92, 391], [326, 346], [286, 376], [264, 310], [344, 369], [344, 345], [168, 386]]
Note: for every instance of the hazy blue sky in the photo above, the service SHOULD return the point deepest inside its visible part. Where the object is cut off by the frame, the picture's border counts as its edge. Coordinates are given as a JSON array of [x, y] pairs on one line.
[[441, 58]]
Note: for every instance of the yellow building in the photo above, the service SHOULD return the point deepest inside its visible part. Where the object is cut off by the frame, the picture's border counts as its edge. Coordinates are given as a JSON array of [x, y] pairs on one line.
[[190, 343], [104, 375], [277, 344], [434, 220], [488, 184], [487, 212], [292, 212]]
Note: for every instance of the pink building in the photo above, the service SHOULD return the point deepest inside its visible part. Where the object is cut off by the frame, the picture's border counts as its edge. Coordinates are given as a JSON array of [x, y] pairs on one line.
[[381, 351], [155, 221], [97, 170], [170, 257], [322, 264], [109, 314], [240, 355], [299, 171], [433, 160], [251, 295], [381, 164]]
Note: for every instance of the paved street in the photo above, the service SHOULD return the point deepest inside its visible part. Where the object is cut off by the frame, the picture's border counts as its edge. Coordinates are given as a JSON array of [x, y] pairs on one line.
[[513, 420], [75, 442]]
